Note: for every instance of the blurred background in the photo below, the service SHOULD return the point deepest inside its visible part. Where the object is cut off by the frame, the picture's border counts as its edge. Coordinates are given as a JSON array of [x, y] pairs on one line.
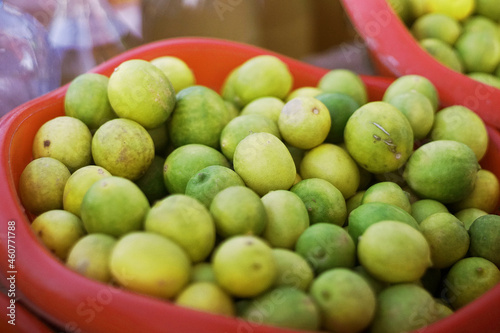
[[84, 33]]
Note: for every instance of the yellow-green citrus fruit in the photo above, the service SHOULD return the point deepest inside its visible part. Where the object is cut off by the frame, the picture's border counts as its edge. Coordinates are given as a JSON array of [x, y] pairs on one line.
[[66, 139], [379, 137], [208, 297], [346, 82], [177, 71], [485, 195], [269, 107], [485, 238], [444, 53], [140, 91], [387, 192], [293, 270], [458, 9], [411, 82], [264, 163], [124, 148], [151, 264], [423, 208], [479, 50], [437, 25]]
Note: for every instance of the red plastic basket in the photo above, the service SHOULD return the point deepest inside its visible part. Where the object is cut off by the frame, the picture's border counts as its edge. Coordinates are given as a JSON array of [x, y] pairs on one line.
[[395, 52], [78, 304]]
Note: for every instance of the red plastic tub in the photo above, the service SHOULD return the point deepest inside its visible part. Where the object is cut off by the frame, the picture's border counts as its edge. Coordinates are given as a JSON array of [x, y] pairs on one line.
[[77, 304], [397, 53]]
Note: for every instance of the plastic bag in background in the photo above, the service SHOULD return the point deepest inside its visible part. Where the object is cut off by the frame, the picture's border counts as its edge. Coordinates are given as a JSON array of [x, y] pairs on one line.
[[29, 67], [86, 33]]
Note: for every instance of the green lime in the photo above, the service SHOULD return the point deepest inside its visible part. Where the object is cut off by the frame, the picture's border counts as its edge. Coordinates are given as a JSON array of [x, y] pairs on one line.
[[379, 137], [479, 50], [268, 106], [469, 279], [488, 8], [423, 208], [458, 9], [346, 301], [346, 82], [460, 123], [177, 71], [209, 181], [485, 238], [124, 148], [78, 184], [114, 206], [202, 272], [469, 215], [287, 218], [185, 221], [41, 185], [303, 92], [273, 309], [447, 237], [140, 91], [264, 163], [484, 196], [387, 192], [58, 230], [261, 76], [324, 202], [244, 266], [411, 82], [405, 256], [326, 246], [90, 255], [207, 297], [318, 162], [304, 122], [341, 107], [437, 25], [367, 214], [66, 139], [151, 264], [199, 116], [354, 202], [242, 126], [87, 100], [237, 210], [443, 52], [480, 23], [293, 270], [151, 183], [486, 78], [452, 162], [185, 161]]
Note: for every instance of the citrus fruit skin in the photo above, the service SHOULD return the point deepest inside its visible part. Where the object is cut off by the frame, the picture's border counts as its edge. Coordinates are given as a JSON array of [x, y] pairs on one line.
[[140, 91], [443, 53], [58, 230], [304, 122], [177, 71], [323, 201], [485, 195], [411, 82], [265, 309], [87, 99], [66, 139], [287, 218], [404, 257], [326, 246], [114, 206], [199, 116], [346, 301], [244, 266], [269, 107], [346, 82], [237, 210], [341, 107], [423, 208], [488, 8], [453, 163], [185, 221], [458, 9], [90, 255], [208, 297], [318, 162], [387, 192], [264, 163], [469, 215], [404, 307], [261, 76], [437, 25], [292, 270], [124, 148], [78, 184], [459, 123], [369, 213], [303, 92], [379, 137], [479, 50], [468, 279], [151, 264], [485, 238], [447, 237], [202, 272], [185, 161], [41, 185], [240, 127], [207, 182]]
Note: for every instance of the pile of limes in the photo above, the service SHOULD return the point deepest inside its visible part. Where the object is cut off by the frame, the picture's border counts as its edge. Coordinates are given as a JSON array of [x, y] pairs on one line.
[[308, 208], [463, 35]]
